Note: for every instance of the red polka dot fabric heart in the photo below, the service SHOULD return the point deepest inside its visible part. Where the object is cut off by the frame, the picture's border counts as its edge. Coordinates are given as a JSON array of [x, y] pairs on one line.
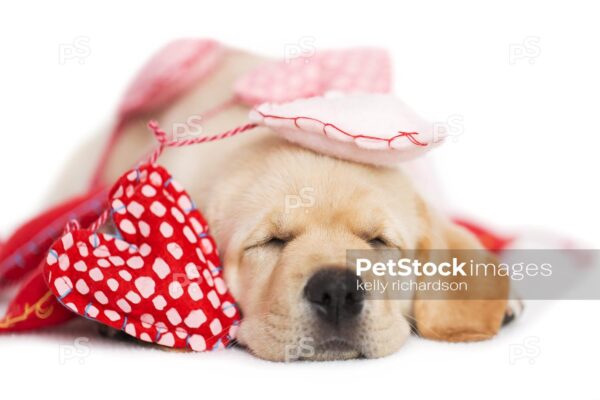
[[158, 278]]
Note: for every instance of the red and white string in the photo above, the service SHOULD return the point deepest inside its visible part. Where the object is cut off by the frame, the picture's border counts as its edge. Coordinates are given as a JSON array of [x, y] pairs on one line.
[[163, 142]]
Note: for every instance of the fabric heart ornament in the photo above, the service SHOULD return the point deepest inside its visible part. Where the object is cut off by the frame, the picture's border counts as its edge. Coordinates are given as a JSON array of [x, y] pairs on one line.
[[370, 128], [158, 278], [174, 69], [353, 70]]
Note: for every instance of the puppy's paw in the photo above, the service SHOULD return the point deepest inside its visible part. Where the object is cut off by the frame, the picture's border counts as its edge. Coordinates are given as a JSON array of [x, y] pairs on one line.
[[459, 320], [112, 333], [514, 309]]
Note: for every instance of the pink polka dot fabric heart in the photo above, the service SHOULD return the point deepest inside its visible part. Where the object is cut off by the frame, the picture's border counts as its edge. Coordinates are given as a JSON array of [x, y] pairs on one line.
[[158, 279], [353, 70]]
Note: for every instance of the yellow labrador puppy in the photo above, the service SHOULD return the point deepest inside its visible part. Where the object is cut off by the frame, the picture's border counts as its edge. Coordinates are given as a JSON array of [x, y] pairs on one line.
[[283, 218]]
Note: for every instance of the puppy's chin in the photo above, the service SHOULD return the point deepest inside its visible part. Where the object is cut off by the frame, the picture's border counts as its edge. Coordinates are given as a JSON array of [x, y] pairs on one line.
[[334, 349], [300, 339]]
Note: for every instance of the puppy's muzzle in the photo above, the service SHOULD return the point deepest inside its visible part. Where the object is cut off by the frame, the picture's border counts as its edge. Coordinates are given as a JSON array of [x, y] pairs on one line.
[[334, 295]]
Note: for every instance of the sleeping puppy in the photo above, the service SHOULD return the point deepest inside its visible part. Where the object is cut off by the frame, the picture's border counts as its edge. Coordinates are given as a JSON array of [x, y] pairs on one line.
[[283, 218], [286, 264]]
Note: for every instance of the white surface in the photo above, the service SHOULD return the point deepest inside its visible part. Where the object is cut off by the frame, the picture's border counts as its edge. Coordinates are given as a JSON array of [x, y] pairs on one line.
[[562, 366], [526, 155]]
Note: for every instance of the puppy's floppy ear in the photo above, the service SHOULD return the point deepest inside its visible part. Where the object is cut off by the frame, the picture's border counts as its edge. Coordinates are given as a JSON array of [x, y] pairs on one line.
[[459, 316]]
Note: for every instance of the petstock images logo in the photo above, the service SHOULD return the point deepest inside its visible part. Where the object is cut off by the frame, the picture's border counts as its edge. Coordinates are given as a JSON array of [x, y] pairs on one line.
[[477, 274]]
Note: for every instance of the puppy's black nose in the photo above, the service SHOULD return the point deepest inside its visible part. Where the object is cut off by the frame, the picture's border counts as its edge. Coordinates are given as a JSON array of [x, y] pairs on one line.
[[334, 294]]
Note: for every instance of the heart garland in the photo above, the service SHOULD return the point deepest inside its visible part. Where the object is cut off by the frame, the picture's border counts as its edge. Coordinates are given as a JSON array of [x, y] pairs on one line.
[[158, 278]]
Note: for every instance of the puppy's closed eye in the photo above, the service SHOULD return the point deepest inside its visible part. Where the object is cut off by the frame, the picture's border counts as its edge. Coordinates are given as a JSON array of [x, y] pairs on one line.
[[276, 241], [378, 242], [271, 242], [377, 237]]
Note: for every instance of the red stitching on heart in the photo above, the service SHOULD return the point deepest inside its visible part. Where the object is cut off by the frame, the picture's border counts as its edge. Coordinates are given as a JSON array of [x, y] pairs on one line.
[[409, 135]]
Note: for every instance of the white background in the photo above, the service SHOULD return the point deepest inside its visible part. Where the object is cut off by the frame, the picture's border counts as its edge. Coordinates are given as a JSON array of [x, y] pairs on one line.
[[519, 81]]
